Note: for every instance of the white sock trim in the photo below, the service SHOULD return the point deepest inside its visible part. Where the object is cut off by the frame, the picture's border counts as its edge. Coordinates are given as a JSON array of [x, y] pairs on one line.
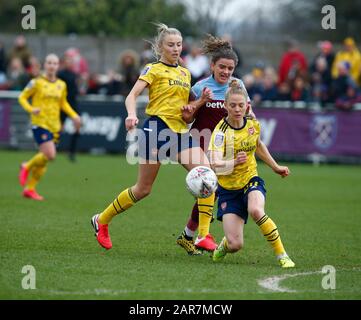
[[189, 232], [283, 255]]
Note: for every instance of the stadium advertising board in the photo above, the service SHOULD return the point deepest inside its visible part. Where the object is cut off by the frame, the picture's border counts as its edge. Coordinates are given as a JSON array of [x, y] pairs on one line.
[[293, 132], [102, 127], [301, 132], [4, 121]]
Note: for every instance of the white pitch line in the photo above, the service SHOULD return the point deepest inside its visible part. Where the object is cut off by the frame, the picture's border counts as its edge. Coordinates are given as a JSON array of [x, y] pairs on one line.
[[101, 292], [270, 283], [273, 283]]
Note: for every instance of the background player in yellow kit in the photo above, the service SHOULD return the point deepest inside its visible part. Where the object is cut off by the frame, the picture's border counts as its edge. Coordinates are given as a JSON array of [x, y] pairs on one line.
[[234, 143], [48, 97], [169, 86]]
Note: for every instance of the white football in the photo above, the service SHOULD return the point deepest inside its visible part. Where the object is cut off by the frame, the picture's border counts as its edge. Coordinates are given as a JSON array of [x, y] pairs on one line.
[[201, 182]]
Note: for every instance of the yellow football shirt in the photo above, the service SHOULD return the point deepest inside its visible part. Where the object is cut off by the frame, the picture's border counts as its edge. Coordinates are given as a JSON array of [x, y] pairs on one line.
[[50, 98], [169, 88], [230, 141]]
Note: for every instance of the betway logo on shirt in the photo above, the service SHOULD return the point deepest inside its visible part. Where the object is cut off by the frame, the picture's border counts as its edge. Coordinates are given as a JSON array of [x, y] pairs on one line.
[[215, 104]]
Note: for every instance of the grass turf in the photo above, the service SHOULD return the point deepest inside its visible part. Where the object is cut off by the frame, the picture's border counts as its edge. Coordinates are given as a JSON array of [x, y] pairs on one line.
[[317, 210]]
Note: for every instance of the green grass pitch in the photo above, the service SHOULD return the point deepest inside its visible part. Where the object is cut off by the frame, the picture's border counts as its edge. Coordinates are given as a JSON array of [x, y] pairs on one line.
[[317, 210]]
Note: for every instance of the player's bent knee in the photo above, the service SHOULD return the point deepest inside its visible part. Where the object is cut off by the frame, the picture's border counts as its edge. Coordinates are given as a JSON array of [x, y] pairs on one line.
[[51, 156], [256, 213], [141, 192], [234, 244]]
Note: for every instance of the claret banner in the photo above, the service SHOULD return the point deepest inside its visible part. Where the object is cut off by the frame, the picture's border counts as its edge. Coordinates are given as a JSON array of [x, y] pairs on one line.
[[303, 132]]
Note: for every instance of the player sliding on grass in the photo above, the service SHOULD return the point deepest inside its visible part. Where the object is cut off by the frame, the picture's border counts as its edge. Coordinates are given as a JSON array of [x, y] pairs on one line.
[[241, 191], [48, 94], [208, 112], [169, 87]]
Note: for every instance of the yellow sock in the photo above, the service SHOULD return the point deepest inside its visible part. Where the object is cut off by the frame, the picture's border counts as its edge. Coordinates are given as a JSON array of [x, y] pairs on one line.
[[36, 175], [205, 208], [269, 230], [39, 160], [124, 201]]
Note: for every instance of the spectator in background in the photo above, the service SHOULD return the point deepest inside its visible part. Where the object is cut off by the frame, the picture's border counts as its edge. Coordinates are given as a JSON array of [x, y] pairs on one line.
[[2, 58], [258, 73], [251, 87], [34, 67], [16, 75], [284, 92], [326, 52], [93, 86], [120, 81], [347, 101], [3, 78], [349, 54], [3, 81], [321, 81], [67, 74], [341, 84], [300, 90], [147, 55], [197, 64], [129, 71], [269, 87], [80, 67], [21, 51], [185, 52], [293, 63]]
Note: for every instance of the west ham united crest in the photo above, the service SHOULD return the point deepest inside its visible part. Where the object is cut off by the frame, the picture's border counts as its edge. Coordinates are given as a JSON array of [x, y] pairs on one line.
[[324, 131]]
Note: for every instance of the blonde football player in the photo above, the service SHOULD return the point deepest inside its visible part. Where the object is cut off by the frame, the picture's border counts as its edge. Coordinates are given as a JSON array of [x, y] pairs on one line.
[[48, 97], [169, 87], [234, 143]]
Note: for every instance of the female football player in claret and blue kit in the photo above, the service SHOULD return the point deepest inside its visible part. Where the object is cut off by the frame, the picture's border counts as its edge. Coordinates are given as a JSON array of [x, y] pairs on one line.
[[48, 97], [233, 146], [169, 89], [208, 109]]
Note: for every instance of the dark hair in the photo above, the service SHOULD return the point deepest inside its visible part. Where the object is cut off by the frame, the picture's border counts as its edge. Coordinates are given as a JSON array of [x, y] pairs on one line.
[[217, 48]]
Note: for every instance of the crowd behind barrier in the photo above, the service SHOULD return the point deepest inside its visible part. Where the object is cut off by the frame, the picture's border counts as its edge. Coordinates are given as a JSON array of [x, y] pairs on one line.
[[293, 131], [314, 103], [331, 77]]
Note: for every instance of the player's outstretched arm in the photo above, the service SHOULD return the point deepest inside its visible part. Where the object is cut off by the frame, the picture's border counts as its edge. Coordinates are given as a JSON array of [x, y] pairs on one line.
[[264, 154], [25, 95], [131, 104]]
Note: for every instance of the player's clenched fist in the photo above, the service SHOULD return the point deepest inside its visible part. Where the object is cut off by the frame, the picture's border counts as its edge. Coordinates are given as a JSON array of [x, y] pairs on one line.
[[131, 122], [240, 158]]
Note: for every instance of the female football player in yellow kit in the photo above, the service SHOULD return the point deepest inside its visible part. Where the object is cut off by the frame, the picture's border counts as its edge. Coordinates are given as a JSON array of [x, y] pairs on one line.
[[48, 96], [234, 143], [165, 130]]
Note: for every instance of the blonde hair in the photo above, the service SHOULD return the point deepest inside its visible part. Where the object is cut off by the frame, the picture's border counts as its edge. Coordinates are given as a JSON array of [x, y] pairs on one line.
[[217, 48], [50, 56], [163, 31], [235, 88]]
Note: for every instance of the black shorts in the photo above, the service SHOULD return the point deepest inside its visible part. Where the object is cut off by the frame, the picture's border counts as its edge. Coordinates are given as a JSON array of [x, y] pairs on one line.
[[42, 135], [158, 142], [236, 201]]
